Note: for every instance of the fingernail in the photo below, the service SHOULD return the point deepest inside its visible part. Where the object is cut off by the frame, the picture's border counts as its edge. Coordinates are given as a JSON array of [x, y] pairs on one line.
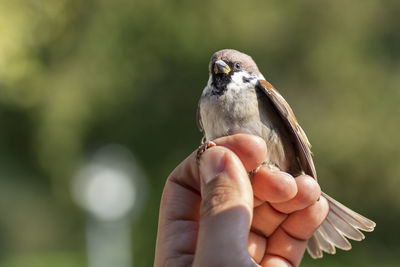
[[212, 164]]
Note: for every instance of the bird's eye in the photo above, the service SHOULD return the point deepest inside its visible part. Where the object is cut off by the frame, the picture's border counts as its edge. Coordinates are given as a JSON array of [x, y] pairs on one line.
[[237, 66]]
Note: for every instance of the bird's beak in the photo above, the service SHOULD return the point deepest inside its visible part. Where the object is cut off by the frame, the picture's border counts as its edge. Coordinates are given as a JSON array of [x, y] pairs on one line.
[[221, 67]]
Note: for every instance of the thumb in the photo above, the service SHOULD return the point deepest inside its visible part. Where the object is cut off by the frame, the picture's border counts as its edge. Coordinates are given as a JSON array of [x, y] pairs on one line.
[[226, 210]]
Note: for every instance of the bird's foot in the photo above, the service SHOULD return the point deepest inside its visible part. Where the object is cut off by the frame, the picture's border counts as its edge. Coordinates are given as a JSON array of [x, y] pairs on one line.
[[202, 148], [271, 166]]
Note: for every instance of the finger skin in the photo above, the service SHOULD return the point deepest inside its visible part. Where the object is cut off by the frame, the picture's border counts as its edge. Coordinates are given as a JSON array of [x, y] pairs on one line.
[[251, 149], [257, 202], [177, 226], [226, 210], [257, 245], [266, 219], [273, 186], [283, 245], [308, 191], [289, 241], [315, 214], [275, 261], [224, 182]]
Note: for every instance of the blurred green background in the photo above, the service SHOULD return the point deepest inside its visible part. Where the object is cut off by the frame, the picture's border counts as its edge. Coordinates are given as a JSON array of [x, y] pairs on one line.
[[75, 75]]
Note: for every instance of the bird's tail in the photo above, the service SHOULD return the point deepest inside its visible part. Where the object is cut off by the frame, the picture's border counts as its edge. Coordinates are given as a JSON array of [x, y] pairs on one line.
[[340, 223]]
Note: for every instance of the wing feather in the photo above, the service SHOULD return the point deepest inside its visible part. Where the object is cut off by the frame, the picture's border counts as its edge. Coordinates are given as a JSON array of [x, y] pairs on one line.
[[299, 138]]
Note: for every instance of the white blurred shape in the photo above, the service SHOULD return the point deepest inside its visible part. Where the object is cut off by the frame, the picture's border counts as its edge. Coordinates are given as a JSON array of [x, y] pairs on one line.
[[107, 186], [110, 193], [111, 188]]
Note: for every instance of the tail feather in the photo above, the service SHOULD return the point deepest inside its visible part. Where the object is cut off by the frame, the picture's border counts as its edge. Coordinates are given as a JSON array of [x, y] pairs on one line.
[[313, 247], [345, 227], [324, 244], [331, 234], [340, 223], [350, 216]]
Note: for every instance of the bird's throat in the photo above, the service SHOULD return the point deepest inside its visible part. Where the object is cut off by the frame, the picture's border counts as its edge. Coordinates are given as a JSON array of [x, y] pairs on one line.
[[220, 83]]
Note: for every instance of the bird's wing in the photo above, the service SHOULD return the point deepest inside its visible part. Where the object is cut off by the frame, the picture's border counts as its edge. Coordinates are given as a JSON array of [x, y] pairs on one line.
[[299, 138]]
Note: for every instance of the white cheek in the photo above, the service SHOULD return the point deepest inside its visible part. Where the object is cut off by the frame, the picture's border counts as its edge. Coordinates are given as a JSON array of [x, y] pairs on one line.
[[237, 83], [237, 78]]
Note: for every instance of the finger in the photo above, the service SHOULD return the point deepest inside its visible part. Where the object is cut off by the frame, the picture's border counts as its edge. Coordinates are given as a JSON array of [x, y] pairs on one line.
[[308, 191], [284, 246], [314, 215], [256, 201], [251, 149], [290, 240], [178, 223], [266, 219], [226, 210], [273, 186], [257, 245], [275, 261]]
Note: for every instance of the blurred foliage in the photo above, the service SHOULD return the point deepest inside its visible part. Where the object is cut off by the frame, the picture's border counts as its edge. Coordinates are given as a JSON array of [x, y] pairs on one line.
[[75, 75]]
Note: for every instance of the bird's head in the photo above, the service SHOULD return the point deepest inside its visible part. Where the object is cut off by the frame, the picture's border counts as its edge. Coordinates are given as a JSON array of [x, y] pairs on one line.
[[230, 66]]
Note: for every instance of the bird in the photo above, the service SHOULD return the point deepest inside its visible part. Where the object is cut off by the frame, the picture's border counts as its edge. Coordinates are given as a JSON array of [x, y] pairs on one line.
[[238, 99]]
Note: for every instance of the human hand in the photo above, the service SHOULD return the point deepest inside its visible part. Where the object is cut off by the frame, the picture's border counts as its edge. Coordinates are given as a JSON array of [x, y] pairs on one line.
[[208, 216]]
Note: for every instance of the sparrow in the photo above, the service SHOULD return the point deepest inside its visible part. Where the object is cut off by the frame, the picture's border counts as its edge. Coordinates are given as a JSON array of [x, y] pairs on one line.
[[238, 99]]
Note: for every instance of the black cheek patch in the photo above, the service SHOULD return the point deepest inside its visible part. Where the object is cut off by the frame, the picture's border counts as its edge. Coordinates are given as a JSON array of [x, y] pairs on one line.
[[247, 80]]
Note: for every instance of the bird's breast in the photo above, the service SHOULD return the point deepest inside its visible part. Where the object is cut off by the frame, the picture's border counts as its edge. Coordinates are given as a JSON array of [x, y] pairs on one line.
[[249, 112], [230, 113]]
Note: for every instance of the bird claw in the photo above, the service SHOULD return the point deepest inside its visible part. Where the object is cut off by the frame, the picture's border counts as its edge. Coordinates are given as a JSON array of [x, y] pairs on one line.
[[251, 173], [271, 166], [202, 148]]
